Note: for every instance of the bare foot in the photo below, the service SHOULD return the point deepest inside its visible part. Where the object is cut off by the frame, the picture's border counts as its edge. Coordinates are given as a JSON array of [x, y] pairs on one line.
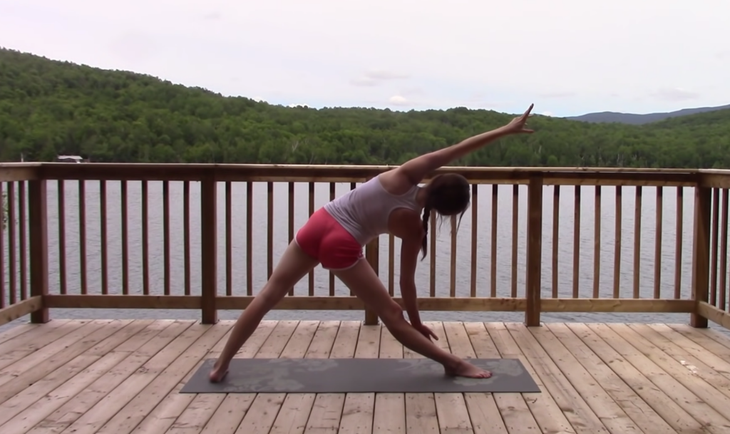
[[217, 374], [466, 369]]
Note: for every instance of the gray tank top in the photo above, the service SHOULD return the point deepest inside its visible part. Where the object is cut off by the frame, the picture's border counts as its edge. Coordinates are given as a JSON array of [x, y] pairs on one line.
[[364, 211]]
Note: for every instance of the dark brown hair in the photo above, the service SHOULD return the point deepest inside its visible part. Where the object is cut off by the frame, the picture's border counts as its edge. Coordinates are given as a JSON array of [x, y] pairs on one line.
[[447, 194]]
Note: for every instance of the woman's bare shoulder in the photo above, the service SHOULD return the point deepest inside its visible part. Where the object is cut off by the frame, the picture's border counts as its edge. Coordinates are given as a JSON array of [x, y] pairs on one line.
[[395, 182]]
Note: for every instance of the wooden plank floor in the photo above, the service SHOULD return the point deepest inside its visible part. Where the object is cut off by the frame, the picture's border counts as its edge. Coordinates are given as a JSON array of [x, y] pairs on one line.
[[123, 376]]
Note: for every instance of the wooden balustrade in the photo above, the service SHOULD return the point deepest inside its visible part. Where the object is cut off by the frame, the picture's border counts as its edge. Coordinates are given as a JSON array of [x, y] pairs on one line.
[[23, 275], [111, 236]]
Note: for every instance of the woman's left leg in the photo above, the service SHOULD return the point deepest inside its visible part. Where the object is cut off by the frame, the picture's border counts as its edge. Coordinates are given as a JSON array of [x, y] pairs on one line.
[[294, 264]]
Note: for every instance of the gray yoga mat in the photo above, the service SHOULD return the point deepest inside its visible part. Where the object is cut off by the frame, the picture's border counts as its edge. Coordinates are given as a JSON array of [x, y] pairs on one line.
[[359, 375]]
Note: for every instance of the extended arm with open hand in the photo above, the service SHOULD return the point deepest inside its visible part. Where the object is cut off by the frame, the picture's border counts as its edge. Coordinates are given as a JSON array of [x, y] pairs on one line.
[[419, 167]]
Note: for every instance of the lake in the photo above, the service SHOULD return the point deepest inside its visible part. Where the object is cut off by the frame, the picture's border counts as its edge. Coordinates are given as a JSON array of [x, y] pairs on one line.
[[463, 251]]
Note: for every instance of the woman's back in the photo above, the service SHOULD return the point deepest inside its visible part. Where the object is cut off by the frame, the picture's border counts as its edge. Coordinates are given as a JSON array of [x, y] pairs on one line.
[[364, 211]]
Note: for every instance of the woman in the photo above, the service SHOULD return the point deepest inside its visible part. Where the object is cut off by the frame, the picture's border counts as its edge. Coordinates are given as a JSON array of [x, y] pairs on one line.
[[335, 234]]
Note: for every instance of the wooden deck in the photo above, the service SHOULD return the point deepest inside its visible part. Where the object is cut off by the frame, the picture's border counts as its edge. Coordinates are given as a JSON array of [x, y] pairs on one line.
[[117, 376]]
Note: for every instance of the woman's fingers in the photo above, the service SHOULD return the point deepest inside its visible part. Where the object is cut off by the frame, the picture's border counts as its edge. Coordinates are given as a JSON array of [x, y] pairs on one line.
[[527, 113]]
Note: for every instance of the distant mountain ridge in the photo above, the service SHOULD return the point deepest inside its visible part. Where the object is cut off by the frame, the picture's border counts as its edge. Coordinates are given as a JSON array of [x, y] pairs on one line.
[[639, 119]]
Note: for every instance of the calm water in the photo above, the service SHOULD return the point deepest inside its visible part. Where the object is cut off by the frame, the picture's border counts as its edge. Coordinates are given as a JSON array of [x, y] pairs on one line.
[[463, 251]]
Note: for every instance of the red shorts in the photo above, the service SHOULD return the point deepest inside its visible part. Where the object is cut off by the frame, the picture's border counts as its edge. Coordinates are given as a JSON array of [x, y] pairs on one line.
[[323, 238]]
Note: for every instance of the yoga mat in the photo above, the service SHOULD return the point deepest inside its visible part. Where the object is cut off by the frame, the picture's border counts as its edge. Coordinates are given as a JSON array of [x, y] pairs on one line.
[[359, 375]]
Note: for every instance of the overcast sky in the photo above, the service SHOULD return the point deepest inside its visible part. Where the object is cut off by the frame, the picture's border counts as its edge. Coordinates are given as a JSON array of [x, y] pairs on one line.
[[567, 56]]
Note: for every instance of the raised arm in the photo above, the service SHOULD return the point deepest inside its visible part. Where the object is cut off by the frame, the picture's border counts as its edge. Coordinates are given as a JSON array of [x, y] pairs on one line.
[[418, 168]]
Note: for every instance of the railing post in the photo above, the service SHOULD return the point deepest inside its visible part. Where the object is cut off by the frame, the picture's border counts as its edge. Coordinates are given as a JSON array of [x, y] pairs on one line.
[[372, 254], [38, 224], [209, 247], [534, 250], [701, 252]]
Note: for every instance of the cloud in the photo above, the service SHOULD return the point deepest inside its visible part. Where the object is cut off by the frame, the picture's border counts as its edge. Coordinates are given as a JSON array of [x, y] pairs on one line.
[[559, 94], [364, 82], [201, 43], [385, 75], [212, 16], [413, 91], [481, 101], [675, 94], [133, 47], [399, 100], [375, 77]]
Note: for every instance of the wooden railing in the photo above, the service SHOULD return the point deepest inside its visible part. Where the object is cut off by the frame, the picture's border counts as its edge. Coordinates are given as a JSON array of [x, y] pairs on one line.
[[23, 243], [200, 237]]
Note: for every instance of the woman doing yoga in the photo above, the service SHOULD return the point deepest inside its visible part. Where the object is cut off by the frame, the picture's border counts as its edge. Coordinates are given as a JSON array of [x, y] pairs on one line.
[[393, 203]]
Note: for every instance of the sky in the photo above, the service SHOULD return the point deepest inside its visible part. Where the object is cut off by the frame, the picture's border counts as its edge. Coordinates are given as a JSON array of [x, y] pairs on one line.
[[568, 57]]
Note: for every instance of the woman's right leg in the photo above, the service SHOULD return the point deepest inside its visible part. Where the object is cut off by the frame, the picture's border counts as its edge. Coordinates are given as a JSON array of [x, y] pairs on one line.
[[292, 266]]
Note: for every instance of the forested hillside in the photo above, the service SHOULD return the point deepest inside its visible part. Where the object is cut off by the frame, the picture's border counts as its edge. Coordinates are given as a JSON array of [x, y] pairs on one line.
[[49, 108]]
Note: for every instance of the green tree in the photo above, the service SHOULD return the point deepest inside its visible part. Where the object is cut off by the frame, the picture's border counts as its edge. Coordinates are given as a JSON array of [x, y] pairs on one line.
[[49, 108]]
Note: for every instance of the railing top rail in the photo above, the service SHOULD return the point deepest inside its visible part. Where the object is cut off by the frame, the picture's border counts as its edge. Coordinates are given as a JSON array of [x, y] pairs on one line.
[[714, 171], [356, 173], [15, 165], [360, 167], [378, 167], [19, 171]]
